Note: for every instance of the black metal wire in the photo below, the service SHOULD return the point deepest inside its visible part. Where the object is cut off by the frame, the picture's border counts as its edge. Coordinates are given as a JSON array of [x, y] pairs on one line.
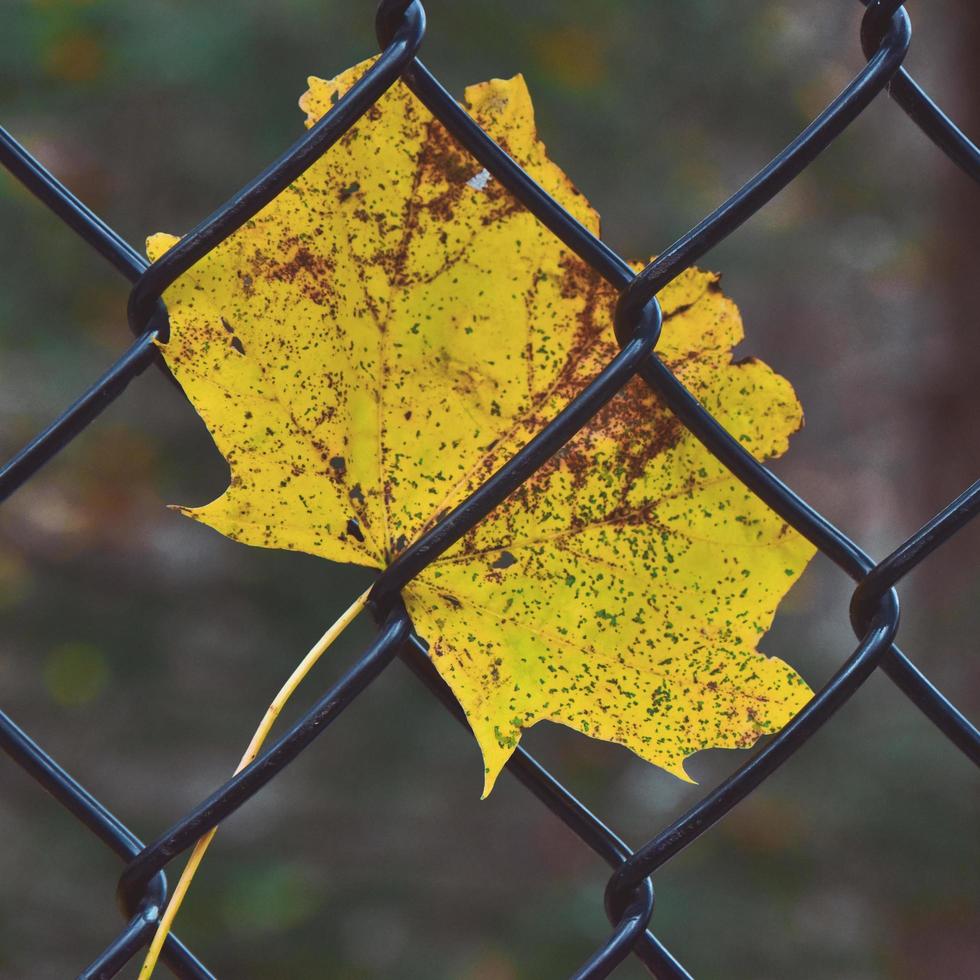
[[22, 466], [629, 900], [109, 829], [954, 143], [243, 785], [84, 222]]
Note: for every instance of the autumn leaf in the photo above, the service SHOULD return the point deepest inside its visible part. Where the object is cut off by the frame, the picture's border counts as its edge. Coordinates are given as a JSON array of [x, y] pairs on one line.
[[388, 331]]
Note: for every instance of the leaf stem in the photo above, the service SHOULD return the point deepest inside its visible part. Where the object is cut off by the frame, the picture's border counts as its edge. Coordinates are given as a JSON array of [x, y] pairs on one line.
[[261, 733]]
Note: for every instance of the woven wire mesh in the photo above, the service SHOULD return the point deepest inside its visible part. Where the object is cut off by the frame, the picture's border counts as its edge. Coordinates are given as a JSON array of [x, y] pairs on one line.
[[874, 609]]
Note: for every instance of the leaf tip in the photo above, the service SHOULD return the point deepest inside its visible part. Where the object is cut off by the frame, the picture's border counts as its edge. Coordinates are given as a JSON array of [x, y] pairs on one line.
[[159, 244], [681, 773], [496, 754]]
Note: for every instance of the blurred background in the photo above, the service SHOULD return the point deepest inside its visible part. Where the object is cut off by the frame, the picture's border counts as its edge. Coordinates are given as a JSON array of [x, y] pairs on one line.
[[140, 649]]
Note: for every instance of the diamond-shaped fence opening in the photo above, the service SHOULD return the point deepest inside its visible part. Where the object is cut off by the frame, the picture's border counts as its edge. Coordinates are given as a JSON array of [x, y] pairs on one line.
[[874, 608]]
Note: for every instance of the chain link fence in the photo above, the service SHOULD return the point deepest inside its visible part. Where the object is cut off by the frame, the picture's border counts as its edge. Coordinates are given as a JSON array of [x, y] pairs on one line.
[[874, 610]]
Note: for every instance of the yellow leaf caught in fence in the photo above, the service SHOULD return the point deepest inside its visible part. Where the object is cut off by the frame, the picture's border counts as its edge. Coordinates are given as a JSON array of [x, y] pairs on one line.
[[387, 332]]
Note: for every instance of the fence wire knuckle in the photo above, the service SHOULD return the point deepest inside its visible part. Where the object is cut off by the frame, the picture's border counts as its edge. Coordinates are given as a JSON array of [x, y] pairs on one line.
[[885, 35]]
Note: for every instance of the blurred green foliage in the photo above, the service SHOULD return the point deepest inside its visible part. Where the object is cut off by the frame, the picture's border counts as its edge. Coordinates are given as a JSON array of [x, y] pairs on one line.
[[141, 649]]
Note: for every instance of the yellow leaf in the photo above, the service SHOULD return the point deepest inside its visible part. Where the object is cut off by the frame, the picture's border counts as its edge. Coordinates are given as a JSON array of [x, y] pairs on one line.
[[389, 331]]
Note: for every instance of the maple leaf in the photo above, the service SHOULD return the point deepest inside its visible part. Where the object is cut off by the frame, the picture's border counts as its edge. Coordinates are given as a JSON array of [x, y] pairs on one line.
[[392, 328]]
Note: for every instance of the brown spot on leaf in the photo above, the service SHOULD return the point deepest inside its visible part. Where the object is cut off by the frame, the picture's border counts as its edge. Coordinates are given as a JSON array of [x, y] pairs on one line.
[[505, 560]]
